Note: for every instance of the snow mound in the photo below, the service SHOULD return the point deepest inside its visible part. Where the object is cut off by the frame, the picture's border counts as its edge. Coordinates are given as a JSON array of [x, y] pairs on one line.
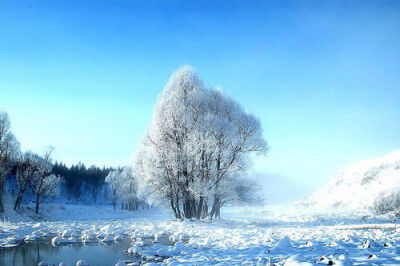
[[361, 187], [297, 260], [283, 245]]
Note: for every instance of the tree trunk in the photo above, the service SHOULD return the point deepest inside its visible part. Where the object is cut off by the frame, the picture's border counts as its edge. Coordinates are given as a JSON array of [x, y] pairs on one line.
[[37, 204], [200, 208], [193, 208], [173, 207], [177, 207], [1, 203], [218, 212], [212, 211], [216, 208], [189, 209], [1, 193], [204, 211], [186, 205], [189, 206], [18, 200]]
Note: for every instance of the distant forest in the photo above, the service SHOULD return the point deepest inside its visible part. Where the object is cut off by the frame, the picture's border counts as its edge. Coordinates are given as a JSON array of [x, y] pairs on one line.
[[83, 184], [80, 185]]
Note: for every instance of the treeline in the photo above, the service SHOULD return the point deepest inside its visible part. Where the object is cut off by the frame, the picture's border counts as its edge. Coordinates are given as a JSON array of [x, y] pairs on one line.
[[32, 172], [29, 177], [83, 184]]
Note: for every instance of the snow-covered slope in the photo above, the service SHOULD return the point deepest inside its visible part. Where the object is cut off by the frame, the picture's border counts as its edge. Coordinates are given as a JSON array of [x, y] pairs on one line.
[[357, 187]]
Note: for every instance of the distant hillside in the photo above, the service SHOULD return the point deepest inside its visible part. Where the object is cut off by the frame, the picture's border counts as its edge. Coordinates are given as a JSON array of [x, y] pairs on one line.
[[367, 186]]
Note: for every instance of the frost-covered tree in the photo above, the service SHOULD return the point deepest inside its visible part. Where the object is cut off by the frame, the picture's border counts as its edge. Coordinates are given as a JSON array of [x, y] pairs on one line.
[[9, 152], [48, 186], [128, 190], [44, 182], [239, 190], [123, 188], [197, 141], [168, 159], [115, 181], [228, 136], [27, 170]]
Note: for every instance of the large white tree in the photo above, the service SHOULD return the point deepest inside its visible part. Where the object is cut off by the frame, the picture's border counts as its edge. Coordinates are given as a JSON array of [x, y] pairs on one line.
[[197, 141]]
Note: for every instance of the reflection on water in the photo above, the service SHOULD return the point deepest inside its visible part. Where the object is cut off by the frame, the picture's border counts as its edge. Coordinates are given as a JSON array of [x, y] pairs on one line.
[[95, 253]]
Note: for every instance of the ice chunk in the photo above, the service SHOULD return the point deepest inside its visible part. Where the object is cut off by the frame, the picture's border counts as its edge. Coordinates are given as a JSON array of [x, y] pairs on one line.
[[87, 238], [66, 233], [297, 260], [369, 244], [262, 261], [134, 249], [72, 239], [108, 238], [118, 237], [283, 245], [82, 263]]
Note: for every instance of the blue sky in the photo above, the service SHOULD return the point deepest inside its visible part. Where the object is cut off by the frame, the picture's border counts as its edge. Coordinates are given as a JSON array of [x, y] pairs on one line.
[[322, 76]]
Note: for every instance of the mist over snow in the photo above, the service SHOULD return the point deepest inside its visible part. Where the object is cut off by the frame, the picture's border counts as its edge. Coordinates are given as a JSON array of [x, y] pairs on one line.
[[278, 190], [368, 186]]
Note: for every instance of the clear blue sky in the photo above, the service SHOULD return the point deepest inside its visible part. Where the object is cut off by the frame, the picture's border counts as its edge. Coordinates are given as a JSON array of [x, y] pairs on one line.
[[323, 76]]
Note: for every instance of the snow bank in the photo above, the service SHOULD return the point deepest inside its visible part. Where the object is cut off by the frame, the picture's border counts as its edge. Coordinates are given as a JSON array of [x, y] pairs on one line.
[[358, 187], [59, 212]]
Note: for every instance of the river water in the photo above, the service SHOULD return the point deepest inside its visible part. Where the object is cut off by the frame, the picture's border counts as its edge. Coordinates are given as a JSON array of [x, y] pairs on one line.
[[95, 253]]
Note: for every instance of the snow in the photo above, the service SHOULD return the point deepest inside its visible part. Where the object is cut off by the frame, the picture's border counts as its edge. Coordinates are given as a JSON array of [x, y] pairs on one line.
[[107, 238], [246, 236], [296, 260], [283, 245], [358, 187], [118, 237], [70, 212]]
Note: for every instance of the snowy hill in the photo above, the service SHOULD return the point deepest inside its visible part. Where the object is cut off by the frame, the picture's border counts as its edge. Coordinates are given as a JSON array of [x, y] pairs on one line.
[[365, 187]]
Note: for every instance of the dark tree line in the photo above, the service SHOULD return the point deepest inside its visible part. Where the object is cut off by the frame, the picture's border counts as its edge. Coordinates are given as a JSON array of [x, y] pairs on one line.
[[82, 184]]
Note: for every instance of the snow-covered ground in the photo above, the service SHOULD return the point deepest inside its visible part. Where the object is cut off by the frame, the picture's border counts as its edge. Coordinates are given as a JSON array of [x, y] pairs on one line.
[[249, 236], [362, 187], [69, 212], [337, 225]]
